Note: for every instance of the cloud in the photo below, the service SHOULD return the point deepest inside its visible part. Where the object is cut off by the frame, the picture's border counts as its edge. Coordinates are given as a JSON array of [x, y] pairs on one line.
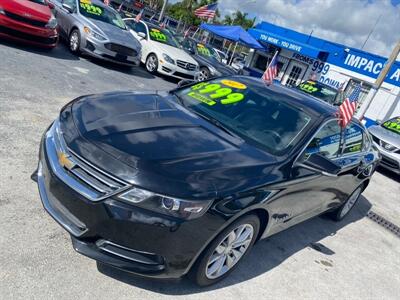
[[343, 21]]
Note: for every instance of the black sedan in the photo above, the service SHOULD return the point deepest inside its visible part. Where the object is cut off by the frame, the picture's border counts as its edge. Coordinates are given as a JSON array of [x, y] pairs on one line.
[[185, 182], [208, 60]]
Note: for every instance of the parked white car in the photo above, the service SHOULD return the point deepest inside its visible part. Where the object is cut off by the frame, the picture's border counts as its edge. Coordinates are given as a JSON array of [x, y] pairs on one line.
[[161, 52]]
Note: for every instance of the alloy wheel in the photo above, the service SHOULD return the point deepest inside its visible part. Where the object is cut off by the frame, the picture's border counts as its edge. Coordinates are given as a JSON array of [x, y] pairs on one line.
[[74, 41], [229, 251], [151, 63], [350, 202]]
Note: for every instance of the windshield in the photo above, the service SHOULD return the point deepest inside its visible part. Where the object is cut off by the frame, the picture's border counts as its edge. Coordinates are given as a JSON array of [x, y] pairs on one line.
[[162, 36], [100, 13], [39, 1], [207, 52], [319, 91], [245, 107], [393, 125]]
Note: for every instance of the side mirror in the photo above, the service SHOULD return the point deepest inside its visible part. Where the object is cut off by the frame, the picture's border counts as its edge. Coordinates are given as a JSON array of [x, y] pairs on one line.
[[68, 8], [141, 35], [183, 83], [50, 5], [317, 162]]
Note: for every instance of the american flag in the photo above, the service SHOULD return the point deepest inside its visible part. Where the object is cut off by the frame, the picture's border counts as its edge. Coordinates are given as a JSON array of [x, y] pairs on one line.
[[272, 70], [206, 11], [186, 34], [107, 2], [139, 16], [120, 7], [349, 105]]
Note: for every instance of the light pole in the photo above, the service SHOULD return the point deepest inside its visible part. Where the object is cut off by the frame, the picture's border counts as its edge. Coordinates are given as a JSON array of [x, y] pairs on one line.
[[162, 10]]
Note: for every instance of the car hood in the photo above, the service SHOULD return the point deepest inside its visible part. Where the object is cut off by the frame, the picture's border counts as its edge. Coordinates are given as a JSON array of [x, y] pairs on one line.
[[28, 9], [167, 149], [173, 52], [115, 34], [220, 67], [385, 134]]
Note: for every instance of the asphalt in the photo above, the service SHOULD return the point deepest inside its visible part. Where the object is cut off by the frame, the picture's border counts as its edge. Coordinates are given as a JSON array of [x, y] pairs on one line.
[[318, 259]]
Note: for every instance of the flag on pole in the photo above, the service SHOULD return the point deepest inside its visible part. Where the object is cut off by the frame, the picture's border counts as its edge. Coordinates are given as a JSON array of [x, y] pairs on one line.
[[152, 17], [348, 107], [272, 70], [206, 11], [120, 7], [139, 16], [107, 2], [186, 34]]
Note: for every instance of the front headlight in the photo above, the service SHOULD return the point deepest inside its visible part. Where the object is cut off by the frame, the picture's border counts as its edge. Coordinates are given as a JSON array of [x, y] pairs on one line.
[[168, 58], [94, 34], [52, 23], [179, 208]]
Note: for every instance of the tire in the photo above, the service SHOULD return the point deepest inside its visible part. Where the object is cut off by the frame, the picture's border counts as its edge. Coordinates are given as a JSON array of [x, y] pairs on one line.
[[74, 42], [205, 73], [152, 63], [205, 271], [343, 210]]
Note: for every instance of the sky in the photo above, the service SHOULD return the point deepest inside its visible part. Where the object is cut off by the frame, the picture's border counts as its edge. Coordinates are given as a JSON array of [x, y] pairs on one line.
[[343, 21]]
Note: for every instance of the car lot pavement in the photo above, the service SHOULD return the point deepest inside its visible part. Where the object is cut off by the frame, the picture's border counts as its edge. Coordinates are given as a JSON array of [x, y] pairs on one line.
[[319, 259]]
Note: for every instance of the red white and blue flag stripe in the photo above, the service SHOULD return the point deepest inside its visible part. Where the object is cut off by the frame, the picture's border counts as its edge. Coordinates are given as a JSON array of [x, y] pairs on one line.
[[206, 11], [272, 70], [349, 106], [139, 16]]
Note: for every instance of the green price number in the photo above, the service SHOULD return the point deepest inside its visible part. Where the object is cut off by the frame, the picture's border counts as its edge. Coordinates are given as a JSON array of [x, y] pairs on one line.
[[308, 88], [392, 125], [92, 9], [159, 36], [215, 91], [204, 51]]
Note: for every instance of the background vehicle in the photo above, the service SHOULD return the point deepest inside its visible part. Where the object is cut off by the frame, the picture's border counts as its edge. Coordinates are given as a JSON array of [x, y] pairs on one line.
[[184, 182], [206, 57], [386, 137], [161, 52], [97, 30], [29, 21], [222, 55], [321, 91]]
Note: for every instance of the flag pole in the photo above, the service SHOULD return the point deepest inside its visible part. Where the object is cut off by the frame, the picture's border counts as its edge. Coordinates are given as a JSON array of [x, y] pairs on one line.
[[382, 75]]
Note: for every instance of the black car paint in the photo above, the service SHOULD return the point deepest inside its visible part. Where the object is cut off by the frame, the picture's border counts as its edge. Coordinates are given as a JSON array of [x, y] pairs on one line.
[[239, 177]]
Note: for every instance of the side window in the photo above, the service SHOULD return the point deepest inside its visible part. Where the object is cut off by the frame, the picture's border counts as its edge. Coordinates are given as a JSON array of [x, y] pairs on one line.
[[131, 24], [326, 142], [140, 27], [354, 139]]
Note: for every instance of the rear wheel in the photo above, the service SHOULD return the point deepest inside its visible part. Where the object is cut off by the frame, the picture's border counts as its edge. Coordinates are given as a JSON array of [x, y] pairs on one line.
[[345, 208], [152, 64], [222, 256], [204, 73], [74, 42]]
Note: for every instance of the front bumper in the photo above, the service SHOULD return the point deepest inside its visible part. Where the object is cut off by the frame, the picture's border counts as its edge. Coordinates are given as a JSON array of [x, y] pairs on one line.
[[390, 160], [175, 71], [20, 31], [121, 235], [98, 50]]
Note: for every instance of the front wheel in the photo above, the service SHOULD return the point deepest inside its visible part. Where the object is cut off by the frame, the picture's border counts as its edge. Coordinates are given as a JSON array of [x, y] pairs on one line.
[[204, 73], [222, 256], [74, 42], [342, 211], [152, 64]]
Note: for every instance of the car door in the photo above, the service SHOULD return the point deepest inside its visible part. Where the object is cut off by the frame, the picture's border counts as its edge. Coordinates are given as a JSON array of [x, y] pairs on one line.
[[306, 193], [64, 17]]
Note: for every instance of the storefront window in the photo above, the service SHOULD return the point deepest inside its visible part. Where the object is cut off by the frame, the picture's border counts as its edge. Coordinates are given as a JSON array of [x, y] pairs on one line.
[[261, 62]]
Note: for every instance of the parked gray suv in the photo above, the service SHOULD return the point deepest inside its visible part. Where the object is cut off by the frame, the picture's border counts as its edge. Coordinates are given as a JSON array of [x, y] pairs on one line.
[[93, 28]]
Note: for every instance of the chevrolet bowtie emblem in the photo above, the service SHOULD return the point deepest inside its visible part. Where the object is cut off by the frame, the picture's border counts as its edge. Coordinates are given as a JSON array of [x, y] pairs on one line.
[[64, 161]]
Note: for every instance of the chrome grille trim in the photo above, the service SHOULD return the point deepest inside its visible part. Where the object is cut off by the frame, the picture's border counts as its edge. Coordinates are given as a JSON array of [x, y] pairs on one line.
[[185, 65]]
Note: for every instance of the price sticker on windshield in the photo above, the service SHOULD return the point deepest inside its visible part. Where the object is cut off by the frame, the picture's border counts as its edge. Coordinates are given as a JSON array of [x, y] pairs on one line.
[[211, 93], [308, 87], [393, 125], [91, 9], [158, 35]]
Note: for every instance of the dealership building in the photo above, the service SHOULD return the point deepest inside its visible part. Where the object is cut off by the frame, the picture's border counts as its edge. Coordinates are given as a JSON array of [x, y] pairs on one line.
[[302, 56]]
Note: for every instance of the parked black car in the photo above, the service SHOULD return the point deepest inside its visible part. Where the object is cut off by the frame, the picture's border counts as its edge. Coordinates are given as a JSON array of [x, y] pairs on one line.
[[210, 66], [185, 182]]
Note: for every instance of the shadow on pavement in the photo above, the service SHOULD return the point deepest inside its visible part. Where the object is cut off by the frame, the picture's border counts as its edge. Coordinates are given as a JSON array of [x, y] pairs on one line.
[[389, 174], [265, 256], [60, 51]]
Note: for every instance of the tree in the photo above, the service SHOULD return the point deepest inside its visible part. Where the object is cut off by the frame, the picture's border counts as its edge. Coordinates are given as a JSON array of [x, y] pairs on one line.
[[239, 18]]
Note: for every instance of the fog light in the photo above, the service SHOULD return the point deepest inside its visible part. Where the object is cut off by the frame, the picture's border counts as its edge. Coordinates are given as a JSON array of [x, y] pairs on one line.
[[170, 204]]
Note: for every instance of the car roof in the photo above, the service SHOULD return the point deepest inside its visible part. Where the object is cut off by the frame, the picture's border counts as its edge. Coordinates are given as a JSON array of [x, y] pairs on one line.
[[303, 101]]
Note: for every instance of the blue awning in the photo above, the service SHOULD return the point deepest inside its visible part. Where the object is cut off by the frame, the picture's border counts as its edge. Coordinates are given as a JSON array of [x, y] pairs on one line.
[[233, 33], [282, 42]]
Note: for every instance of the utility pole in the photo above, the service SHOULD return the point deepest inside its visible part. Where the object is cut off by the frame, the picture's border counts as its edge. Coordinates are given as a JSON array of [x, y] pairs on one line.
[[378, 82], [162, 11]]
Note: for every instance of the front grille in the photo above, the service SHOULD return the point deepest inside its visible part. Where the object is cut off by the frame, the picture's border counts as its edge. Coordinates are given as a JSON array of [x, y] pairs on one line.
[[25, 19], [121, 49], [99, 181], [185, 65], [28, 37], [165, 69], [183, 75], [118, 58]]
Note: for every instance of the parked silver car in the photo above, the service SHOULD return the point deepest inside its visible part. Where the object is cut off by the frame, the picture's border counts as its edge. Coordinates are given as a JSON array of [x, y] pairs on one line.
[[387, 138], [91, 27]]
